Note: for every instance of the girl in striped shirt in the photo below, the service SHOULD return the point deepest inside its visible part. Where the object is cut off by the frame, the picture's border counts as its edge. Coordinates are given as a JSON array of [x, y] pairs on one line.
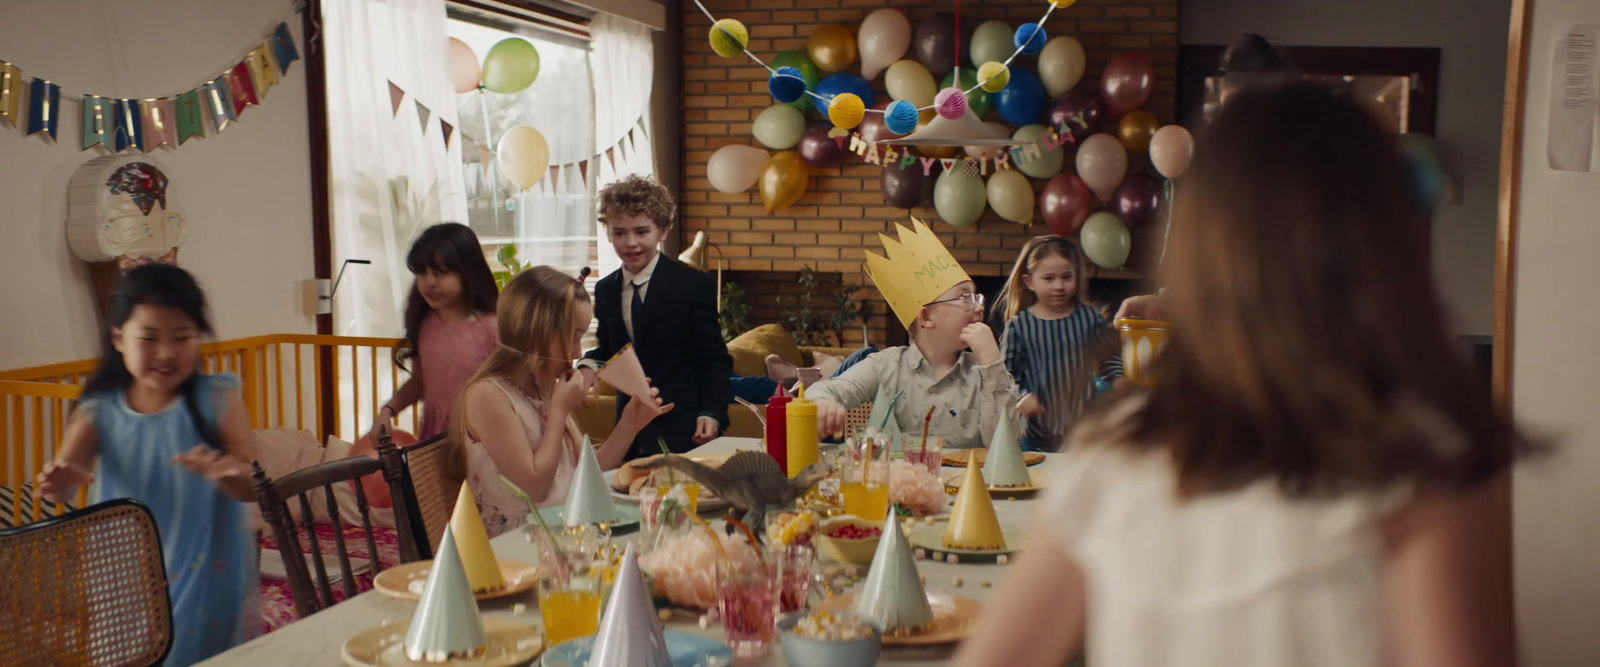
[[1049, 331]]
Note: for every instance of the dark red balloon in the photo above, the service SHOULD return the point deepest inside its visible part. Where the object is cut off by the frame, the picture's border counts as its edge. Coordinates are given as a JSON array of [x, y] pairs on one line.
[[1065, 109], [1065, 203], [1137, 200], [935, 43], [909, 188], [820, 150], [1127, 82], [872, 128]]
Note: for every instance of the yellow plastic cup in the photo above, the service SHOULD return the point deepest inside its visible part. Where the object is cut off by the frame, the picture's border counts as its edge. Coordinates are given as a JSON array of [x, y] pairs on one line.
[[1142, 340]]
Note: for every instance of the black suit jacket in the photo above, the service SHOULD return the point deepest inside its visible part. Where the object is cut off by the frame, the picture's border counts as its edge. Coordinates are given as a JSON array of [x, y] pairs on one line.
[[679, 341]]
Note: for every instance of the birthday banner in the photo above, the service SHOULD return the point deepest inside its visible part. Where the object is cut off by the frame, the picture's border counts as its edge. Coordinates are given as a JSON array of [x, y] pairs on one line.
[[904, 159], [144, 124]]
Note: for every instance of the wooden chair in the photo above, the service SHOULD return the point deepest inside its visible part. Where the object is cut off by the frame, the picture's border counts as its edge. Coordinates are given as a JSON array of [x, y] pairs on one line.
[[314, 595], [856, 417], [433, 492], [87, 587]]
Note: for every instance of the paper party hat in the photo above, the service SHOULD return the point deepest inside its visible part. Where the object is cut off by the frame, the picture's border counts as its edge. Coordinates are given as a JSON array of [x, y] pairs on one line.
[[446, 626], [626, 374], [630, 632], [893, 597], [1004, 465], [483, 570], [589, 499], [913, 271], [973, 524]]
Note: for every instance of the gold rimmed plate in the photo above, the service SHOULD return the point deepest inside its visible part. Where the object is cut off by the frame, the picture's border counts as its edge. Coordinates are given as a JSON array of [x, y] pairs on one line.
[[407, 581], [931, 539], [1036, 483], [953, 617], [509, 644]]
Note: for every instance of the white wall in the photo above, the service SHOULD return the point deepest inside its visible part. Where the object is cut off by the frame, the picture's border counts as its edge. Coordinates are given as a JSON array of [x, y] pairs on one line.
[[1471, 35], [246, 193], [1557, 553]]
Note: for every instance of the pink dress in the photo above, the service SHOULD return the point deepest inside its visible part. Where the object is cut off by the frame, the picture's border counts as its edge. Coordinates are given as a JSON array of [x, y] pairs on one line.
[[449, 353], [502, 510]]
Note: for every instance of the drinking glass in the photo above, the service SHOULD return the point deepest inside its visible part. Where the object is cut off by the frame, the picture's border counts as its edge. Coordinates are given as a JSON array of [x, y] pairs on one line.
[[569, 603], [864, 476], [930, 458], [795, 562], [748, 593]]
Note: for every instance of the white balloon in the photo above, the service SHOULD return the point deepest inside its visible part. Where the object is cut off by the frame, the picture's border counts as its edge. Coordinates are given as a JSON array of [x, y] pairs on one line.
[[1102, 162], [1061, 65], [735, 168], [884, 37], [524, 156]]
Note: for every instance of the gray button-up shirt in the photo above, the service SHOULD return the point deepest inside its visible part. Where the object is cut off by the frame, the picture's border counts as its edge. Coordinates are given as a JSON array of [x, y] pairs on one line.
[[970, 398]]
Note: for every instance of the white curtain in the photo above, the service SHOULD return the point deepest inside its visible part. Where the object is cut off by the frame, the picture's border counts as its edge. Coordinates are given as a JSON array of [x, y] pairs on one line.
[[624, 66], [392, 174]]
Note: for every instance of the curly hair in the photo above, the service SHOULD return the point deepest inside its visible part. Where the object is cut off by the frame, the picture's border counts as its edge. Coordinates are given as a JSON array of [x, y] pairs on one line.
[[637, 195]]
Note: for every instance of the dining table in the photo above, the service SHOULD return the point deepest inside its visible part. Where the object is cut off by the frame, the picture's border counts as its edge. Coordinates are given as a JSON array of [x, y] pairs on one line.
[[316, 641]]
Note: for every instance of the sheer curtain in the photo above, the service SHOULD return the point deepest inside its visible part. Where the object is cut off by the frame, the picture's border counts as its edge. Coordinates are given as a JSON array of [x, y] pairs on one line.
[[624, 66], [392, 174]]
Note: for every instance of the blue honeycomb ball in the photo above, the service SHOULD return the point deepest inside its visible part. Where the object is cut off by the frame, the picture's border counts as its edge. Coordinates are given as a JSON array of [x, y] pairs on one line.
[[1030, 38], [787, 85], [901, 117]]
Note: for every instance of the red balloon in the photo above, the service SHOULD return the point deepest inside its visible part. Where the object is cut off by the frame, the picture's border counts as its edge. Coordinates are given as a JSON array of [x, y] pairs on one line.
[[1065, 203], [1066, 110], [1127, 82], [375, 487], [820, 150], [1136, 200], [872, 128], [909, 188]]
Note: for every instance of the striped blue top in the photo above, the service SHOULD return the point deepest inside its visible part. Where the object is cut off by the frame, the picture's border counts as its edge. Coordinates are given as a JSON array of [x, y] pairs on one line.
[[1042, 354]]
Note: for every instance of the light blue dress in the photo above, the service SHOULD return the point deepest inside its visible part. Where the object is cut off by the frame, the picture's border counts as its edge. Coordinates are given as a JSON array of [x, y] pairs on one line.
[[206, 537]]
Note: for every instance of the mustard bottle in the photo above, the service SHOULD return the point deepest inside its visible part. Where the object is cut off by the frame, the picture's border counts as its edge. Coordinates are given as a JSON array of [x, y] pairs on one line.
[[800, 415]]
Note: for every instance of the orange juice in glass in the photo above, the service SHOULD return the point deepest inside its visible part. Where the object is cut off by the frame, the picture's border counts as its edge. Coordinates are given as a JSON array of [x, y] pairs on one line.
[[1142, 340], [570, 606], [864, 477]]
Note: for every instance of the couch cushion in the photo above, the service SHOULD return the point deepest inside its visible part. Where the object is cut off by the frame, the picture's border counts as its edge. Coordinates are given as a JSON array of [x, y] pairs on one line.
[[751, 348]]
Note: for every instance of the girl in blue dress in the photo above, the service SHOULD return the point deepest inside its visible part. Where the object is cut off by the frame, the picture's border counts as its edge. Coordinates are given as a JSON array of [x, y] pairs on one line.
[[179, 441]]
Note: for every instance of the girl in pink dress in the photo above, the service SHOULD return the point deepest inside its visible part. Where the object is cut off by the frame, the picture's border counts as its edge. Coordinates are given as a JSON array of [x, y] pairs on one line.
[[450, 326]]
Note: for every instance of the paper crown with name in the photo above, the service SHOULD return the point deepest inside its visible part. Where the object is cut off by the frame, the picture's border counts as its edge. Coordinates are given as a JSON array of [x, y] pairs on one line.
[[916, 270]]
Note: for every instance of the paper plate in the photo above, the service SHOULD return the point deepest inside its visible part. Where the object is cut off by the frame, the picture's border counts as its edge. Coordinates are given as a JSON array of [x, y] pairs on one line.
[[509, 644], [627, 517], [931, 538], [953, 615], [954, 482], [707, 503], [685, 649], [407, 581]]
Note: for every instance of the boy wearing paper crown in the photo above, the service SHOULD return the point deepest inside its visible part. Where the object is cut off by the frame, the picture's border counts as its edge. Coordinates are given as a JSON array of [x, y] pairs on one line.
[[668, 311], [953, 364]]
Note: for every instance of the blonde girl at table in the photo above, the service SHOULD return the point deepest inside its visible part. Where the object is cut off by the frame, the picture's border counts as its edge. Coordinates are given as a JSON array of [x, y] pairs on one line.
[[1310, 483]]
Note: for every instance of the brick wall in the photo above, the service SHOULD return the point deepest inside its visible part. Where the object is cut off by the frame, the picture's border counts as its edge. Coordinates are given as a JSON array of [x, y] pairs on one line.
[[844, 210]]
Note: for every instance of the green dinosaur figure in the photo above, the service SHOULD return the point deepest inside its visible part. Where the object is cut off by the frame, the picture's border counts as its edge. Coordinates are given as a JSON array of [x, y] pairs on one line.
[[751, 481]]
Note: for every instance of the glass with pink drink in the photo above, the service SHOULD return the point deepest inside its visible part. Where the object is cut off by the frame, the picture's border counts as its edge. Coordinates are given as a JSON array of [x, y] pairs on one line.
[[748, 594]]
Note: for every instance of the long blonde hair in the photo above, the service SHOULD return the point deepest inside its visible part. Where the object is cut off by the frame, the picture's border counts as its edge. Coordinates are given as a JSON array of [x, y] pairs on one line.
[[535, 309], [1017, 296]]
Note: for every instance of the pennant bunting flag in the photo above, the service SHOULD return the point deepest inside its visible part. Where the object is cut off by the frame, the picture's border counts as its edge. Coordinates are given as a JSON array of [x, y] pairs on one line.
[[396, 95], [948, 163], [10, 92], [97, 121], [423, 114], [261, 69], [220, 99], [190, 116], [242, 87], [128, 130], [283, 48], [583, 170], [160, 120], [447, 129], [44, 108]]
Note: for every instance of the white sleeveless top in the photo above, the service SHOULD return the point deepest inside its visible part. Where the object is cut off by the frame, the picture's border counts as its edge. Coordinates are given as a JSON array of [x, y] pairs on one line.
[[501, 509], [1247, 578]]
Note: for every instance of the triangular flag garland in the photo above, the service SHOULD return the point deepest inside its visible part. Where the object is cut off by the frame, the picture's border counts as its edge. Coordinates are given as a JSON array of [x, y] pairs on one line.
[[145, 123], [422, 115], [396, 96], [448, 130]]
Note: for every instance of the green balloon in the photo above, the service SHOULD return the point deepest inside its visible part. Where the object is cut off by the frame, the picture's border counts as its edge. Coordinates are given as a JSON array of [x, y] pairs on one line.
[[1106, 240], [959, 198], [1048, 164], [808, 71], [511, 66], [979, 99]]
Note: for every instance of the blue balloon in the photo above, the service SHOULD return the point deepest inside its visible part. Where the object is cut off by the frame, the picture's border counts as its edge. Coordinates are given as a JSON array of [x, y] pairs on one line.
[[1022, 101], [1030, 37], [900, 117], [787, 85], [843, 82]]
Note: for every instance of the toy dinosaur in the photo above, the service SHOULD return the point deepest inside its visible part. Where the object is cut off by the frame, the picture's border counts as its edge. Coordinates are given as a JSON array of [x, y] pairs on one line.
[[751, 481]]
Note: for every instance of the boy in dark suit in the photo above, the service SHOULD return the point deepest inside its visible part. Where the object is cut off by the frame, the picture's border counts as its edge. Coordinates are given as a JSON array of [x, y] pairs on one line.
[[668, 311]]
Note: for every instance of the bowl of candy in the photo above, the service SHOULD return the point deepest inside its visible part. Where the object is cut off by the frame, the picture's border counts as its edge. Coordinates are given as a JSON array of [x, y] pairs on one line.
[[829, 639], [849, 539]]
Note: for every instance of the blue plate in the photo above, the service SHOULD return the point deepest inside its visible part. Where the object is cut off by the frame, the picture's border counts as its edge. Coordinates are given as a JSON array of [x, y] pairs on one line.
[[627, 517], [686, 650]]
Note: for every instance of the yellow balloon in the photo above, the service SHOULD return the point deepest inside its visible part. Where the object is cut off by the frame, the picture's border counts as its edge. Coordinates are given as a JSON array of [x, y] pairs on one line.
[[729, 37], [846, 111], [939, 152], [911, 81], [994, 76], [832, 48], [1137, 129], [784, 180], [524, 156]]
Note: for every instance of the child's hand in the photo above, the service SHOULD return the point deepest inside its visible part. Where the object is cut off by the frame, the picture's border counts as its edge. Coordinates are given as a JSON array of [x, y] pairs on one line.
[[830, 418], [980, 339], [639, 413], [570, 396], [588, 376], [1030, 406], [214, 465], [59, 479], [1145, 307]]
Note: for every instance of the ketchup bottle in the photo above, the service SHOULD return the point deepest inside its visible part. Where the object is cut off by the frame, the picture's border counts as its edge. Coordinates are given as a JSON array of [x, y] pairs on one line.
[[778, 428]]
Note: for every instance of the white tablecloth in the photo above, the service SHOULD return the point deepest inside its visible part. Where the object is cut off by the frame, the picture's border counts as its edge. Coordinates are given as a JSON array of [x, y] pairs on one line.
[[316, 641]]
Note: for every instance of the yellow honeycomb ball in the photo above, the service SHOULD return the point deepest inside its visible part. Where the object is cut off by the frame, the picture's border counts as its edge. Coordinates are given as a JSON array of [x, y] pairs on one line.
[[1062, 4], [729, 37], [846, 111], [994, 76]]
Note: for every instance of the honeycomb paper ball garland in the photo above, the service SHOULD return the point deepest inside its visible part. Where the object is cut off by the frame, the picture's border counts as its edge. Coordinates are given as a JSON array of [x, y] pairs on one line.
[[729, 38], [787, 85], [846, 111], [901, 117], [1030, 38], [994, 75], [951, 103]]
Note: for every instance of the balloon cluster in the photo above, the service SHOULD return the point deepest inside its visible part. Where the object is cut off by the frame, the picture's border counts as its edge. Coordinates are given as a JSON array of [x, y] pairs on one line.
[[510, 67]]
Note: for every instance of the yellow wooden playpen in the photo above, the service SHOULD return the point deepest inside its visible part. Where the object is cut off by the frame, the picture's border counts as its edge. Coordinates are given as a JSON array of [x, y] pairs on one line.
[[329, 385]]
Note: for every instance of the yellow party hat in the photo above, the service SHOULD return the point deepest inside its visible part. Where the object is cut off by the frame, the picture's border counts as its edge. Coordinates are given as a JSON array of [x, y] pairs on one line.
[[973, 524], [472, 541], [913, 270]]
